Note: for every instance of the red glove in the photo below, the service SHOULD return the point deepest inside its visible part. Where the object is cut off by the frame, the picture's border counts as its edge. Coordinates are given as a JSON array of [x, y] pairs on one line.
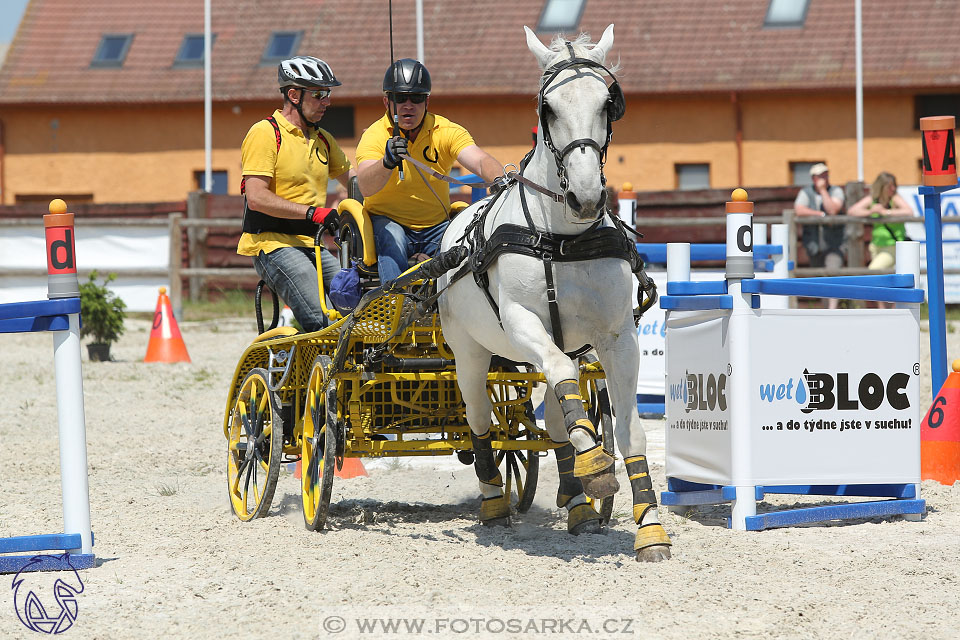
[[327, 218]]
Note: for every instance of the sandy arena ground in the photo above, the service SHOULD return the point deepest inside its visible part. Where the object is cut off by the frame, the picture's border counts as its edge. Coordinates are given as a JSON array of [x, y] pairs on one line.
[[404, 543]]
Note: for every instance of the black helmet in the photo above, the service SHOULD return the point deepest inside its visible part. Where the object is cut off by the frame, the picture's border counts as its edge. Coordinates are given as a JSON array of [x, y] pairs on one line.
[[306, 72], [407, 76]]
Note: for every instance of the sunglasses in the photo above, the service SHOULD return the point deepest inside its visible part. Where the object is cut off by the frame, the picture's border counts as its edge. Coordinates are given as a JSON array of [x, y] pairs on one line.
[[415, 98], [320, 94]]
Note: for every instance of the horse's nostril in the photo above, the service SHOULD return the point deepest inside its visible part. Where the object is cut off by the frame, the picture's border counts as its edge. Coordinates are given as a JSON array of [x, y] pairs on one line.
[[572, 201]]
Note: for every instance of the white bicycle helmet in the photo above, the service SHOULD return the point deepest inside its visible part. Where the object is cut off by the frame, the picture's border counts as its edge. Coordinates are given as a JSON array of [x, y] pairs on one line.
[[306, 72]]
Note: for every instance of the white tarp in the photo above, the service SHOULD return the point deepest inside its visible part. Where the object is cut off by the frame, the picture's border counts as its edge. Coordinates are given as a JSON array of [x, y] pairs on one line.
[[104, 248]]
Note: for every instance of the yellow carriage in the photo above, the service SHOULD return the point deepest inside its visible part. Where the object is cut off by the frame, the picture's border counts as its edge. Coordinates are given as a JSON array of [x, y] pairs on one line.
[[377, 382]]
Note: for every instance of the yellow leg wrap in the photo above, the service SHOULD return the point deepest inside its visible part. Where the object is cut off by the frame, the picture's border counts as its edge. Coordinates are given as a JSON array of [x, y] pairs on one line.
[[563, 499], [591, 461], [495, 481], [639, 510], [586, 425], [649, 536], [494, 508], [580, 514]]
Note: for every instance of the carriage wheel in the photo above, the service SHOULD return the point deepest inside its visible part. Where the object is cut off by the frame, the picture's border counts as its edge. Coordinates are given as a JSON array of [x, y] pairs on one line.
[[255, 447], [601, 415], [520, 470], [318, 446]]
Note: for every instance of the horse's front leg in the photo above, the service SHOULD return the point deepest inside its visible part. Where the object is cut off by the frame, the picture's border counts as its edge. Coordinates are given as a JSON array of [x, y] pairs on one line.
[[620, 361], [581, 516], [527, 335]]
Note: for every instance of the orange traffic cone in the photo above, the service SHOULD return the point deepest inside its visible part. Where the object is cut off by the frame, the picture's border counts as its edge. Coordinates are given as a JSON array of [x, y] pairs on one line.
[[352, 468], [940, 433], [166, 344]]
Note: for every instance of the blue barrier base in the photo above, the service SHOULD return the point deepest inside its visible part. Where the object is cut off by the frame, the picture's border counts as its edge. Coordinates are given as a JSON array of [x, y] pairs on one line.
[[683, 493], [51, 546]]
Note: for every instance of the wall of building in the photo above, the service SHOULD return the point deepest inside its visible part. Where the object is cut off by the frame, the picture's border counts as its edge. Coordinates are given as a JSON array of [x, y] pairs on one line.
[[136, 153]]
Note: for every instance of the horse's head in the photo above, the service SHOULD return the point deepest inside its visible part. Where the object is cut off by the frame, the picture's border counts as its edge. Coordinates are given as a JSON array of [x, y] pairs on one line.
[[576, 109]]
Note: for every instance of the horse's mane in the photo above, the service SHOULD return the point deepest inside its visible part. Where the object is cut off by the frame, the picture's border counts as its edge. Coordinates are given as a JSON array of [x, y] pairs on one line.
[[582, 48]]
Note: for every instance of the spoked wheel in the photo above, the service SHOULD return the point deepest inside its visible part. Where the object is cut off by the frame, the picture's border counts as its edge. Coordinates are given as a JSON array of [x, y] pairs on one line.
[[255, 447], [318, 446], [601, 416], [520, 470]]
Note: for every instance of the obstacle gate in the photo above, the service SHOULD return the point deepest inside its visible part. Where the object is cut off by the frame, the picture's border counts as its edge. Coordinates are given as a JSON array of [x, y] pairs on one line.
[[59, 315], [799, 401]]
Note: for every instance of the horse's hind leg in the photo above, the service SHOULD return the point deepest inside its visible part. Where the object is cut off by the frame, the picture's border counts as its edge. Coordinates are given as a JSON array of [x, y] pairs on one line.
[[473, 364], [581, 517], [652, 544]]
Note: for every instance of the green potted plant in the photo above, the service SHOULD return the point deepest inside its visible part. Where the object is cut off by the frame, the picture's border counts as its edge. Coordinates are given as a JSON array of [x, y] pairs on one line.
[[101, 316]]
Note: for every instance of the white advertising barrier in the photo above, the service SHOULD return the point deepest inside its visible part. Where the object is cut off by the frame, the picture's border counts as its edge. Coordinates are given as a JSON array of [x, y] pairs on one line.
[[825, 397], [652, 331], [950, 208], [106, 249]]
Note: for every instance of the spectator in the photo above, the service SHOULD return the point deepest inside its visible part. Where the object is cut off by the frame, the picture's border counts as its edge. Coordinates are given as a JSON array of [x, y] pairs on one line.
[[824, 243], [883, 201], [287, 160], [410, 216]]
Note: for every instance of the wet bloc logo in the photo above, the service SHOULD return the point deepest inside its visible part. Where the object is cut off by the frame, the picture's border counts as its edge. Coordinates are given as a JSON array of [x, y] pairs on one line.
[[701, 391], [825, 391], [47, 602]]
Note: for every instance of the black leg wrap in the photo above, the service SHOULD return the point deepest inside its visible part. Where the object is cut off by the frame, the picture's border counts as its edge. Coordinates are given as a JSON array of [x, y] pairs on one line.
[[570, 485], [483, 462], [644, 497], [571, 404]]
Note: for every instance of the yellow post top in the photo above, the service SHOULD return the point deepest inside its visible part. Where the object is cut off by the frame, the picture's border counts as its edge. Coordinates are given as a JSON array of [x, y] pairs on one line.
[[163, 290], [627, 186], [739, 203], [57, 206], [956, 365]]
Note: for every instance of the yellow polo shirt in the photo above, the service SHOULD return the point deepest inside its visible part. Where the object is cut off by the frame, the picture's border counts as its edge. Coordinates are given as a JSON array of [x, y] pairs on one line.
[[298, 172], [410, 202]]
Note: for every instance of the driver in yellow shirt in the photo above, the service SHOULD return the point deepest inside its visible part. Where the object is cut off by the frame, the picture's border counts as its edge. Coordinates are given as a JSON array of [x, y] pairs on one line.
[[409, 216]]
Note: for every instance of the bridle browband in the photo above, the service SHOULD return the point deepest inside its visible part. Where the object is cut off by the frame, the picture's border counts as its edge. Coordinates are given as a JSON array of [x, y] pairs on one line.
[[615, 110]]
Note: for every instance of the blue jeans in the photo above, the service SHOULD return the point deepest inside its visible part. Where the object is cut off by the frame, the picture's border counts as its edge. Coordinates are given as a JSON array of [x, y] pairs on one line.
[[396, 244], [291, 273]]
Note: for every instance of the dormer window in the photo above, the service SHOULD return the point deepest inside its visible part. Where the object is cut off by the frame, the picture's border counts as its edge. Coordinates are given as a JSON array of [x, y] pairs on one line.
[[282, 45], [786, 13], [561, 15], [112, 50], [191, 50]]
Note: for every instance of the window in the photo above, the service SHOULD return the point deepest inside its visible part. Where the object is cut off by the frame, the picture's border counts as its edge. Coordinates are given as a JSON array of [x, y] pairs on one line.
[[942, 104], [282, 45], [112, 50], [800, 172], [692, 176], [561, 15], [339, 121], [191, 50], [219, 181], [786, 13]]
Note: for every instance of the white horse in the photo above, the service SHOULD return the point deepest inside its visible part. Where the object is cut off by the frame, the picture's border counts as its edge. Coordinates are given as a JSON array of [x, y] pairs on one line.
[[592, 298]]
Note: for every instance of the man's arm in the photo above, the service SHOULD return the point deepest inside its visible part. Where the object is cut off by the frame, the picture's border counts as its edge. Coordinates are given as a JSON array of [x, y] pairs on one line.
[[344, 178], [260, 198], [831, 205], [480, 162], [372, 176]]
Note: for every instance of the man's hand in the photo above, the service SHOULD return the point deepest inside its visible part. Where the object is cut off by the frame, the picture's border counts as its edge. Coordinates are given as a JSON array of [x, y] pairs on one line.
[[396, 146], [819, 183], [327, 218]]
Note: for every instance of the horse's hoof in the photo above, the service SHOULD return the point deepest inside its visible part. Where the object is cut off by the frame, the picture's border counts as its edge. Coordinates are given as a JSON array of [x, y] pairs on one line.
[[657, 553], [584, 519], [601, 485], [495, 512], [591, 462]]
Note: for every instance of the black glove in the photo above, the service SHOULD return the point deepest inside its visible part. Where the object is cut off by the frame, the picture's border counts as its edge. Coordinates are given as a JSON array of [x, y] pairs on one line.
[[499, 184], [327, 218], [396, 147]]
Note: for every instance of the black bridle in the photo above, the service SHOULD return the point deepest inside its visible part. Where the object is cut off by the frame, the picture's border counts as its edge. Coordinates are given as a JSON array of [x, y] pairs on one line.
[[615, 110]]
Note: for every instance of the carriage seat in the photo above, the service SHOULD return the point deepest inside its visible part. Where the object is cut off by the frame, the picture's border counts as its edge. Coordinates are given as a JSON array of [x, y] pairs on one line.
[[356, 237]]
